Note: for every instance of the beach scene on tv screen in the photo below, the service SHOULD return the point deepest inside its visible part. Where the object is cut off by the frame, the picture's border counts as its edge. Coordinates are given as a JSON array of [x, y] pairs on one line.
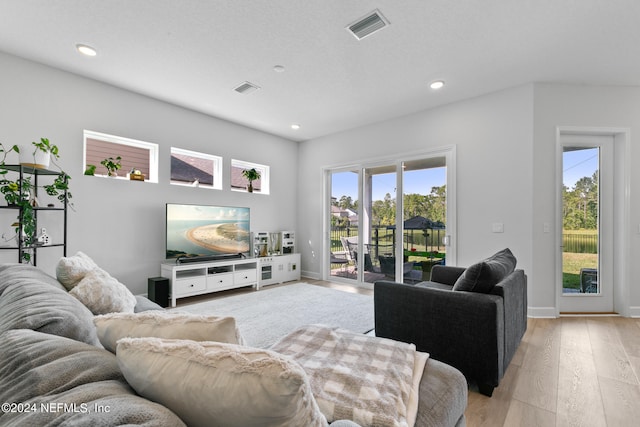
[[194, 230]]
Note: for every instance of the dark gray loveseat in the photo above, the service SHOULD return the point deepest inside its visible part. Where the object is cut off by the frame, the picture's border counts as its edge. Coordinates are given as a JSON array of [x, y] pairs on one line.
[[476, 332]]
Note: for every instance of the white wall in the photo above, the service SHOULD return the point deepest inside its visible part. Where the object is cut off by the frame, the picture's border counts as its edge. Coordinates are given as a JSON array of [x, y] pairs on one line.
[[581, 106], [505, 145], [119, 223], [493, 136], [506, 172]]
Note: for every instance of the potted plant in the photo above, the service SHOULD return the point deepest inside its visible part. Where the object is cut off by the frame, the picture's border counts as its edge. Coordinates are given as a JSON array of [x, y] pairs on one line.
[[17, 192], [40, 156], [112, 165], [251, 175]]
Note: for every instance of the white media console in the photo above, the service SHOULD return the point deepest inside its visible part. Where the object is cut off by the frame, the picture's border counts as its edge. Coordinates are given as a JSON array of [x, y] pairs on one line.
[[196, 278]]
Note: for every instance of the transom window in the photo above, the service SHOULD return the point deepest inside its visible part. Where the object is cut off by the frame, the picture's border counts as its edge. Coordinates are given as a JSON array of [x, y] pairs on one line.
[[240, 183], [134, 154], [194, 169]]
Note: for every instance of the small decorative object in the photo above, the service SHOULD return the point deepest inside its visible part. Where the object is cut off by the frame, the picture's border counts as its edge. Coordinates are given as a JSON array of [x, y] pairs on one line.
[[251, 175], [136, 175], [43, 238]]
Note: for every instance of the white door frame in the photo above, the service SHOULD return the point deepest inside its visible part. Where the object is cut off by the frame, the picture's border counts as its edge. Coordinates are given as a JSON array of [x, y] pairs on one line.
[[620, 225]]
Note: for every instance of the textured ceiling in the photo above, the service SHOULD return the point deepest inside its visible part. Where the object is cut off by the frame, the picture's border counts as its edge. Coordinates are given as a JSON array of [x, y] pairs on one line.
[[193, 53]]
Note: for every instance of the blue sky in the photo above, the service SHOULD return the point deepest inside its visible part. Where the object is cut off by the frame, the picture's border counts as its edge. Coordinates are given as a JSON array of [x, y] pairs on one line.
[[418, 181], [578, 164]]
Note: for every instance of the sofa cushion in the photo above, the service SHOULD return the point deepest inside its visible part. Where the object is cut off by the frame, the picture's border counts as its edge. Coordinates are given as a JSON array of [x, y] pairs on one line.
[[165, 324], [103, 294], [31, 304], [11, 272], [49, 371], [483, 276], [70, 270], [209, 383]]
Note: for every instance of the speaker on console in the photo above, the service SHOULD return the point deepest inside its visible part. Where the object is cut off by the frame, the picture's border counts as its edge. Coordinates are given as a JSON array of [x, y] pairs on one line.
[[158, 290]]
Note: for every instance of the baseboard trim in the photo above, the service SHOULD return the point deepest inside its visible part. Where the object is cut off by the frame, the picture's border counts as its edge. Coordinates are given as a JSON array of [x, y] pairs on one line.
[[542, 312], [634, 311], [311, 275]]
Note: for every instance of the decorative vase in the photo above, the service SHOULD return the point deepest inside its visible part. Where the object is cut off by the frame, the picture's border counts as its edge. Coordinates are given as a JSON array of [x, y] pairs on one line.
[[250, 188]]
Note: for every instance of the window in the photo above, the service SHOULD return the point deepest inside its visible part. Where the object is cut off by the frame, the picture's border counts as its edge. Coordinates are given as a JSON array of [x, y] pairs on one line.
[[138, 155], [240, 183], [195, 169]]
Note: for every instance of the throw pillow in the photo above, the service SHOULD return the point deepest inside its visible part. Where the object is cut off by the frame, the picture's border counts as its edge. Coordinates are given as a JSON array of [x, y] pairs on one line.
[[165, 324], [103, 294], [70, 270], [209, 383], [483, 276]]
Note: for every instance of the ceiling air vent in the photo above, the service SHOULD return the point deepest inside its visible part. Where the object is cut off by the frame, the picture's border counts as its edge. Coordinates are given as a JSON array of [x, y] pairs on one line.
[[368, 25], [246, 88]]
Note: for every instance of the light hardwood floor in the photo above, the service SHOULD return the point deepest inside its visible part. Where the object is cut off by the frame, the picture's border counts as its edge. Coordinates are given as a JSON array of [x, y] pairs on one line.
[[571, 371]]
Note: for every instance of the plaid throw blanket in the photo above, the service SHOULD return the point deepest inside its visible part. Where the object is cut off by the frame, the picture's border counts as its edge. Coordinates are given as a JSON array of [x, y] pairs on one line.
[[356, 377]]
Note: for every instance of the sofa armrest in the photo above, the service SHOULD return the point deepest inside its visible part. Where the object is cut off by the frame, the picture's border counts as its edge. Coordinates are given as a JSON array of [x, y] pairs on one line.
[[145, 304], [446, 274], [513, 290], [462, 329]]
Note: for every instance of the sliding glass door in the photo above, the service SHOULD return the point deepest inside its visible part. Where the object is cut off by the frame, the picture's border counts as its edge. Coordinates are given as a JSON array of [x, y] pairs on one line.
[[376, 235], [424, 216], [378, 222], [343, 223]]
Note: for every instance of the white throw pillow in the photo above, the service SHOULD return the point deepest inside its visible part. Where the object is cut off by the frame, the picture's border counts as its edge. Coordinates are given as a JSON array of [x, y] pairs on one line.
[[218, 384], [165, 324], [70, 270], [103, 294]]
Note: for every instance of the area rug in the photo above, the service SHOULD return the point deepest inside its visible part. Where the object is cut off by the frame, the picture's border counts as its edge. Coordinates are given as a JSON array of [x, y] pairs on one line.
[[267, 315]]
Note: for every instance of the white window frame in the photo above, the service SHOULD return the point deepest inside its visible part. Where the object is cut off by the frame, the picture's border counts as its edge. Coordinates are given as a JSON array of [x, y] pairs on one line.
[[153, 151], [264, 175], [216, 172]]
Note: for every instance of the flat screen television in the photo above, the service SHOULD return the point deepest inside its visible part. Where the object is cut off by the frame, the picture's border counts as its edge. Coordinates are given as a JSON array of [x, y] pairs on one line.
[[204, 231]]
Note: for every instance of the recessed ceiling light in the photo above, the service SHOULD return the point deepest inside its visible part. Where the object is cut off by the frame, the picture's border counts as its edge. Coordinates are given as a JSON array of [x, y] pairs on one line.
[[86, 50], [438, 84], [295, 126], [278, 68]]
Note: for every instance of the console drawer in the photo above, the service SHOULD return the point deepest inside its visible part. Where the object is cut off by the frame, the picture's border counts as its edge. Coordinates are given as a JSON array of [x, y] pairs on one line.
[[245, 276], [189, 285], [219, 281]]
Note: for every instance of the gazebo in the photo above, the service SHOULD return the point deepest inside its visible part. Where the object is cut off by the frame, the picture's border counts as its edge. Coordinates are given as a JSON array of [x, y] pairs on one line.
[[418, 223]]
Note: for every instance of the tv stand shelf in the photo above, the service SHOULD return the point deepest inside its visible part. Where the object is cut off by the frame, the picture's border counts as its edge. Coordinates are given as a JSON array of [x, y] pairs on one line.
[[198, 278]]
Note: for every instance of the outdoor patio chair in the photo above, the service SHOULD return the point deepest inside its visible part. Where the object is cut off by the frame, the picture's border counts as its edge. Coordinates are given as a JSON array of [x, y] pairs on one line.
[[388, 268], [340, 259]]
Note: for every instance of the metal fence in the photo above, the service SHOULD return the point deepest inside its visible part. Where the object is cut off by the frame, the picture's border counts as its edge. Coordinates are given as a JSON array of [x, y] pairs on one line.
[[580, 243], [381, 236]]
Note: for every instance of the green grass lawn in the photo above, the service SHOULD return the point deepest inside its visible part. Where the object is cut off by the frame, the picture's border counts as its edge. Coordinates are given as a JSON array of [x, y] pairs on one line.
[[572, 263]]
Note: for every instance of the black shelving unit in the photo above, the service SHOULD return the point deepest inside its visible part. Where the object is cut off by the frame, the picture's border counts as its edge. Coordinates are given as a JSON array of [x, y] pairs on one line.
[[22, 171]]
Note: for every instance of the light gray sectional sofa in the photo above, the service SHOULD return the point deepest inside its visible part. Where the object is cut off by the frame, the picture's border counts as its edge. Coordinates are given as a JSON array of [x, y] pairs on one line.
[[54, 371]]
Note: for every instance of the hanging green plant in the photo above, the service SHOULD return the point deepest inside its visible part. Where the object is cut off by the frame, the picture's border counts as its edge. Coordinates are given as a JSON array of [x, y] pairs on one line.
[[17, 192]]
